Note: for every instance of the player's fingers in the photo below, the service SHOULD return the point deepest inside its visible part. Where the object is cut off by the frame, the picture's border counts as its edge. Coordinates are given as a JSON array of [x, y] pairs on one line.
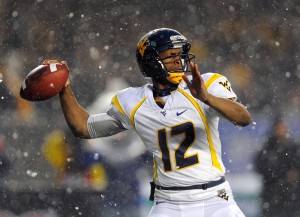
[[198, 73], [195, 73], [187, 81], [189, 84], [64, 63], [50, 61], [196, 70], [192, 65]]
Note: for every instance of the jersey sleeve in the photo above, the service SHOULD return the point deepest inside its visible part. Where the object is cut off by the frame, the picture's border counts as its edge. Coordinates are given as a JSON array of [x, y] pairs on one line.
[[103, 125], [218, 85], [117, 111], [112, 122]]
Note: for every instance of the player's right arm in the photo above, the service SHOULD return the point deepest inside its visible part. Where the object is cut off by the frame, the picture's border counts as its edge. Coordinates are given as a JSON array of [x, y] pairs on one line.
[[84, 125], [75, 115]]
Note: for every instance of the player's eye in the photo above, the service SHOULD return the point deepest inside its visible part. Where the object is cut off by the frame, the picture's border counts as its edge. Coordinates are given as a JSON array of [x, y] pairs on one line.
[[171, 58]]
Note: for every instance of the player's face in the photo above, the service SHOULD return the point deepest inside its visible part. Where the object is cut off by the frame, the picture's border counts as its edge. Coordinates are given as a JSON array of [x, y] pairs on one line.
[[171, 59]]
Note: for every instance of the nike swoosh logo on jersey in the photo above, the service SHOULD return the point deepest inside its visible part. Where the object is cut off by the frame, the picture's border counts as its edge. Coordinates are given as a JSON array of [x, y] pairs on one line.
[[180, 113]]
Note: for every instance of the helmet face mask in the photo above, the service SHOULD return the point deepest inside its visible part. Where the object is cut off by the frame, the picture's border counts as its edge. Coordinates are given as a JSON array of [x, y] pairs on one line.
[[183, 66], [152, 44]]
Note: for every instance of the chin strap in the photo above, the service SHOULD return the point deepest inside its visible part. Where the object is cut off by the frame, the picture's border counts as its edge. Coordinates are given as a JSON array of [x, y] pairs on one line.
[[175, 77]]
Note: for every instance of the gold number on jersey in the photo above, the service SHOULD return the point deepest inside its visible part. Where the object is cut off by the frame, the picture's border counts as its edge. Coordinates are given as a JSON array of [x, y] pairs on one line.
[[181, 159]]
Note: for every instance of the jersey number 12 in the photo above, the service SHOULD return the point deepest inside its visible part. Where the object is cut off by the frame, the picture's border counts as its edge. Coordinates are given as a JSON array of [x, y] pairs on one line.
[[181, 160]]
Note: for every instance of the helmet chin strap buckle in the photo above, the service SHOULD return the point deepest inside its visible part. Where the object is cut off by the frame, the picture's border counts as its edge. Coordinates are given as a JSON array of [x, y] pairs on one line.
[[175, 77]]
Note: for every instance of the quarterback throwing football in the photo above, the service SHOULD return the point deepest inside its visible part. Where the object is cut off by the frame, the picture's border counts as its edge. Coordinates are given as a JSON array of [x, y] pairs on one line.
[[177, 119]]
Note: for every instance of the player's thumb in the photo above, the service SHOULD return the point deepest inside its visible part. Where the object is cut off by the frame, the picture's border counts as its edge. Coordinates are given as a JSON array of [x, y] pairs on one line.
[[68, 82], [187, 81]]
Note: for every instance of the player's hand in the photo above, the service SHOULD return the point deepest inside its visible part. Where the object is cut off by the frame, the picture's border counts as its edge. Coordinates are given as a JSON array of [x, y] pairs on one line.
[[196, 85], [50, 61], [68, 81], [59, 62], [55, 61]]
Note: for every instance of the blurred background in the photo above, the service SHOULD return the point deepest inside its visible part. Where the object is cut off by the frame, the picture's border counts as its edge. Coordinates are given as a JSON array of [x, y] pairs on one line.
[[45, 171]]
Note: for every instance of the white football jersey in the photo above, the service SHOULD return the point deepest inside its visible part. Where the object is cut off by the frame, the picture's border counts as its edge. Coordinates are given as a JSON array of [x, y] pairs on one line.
[[183, 136]]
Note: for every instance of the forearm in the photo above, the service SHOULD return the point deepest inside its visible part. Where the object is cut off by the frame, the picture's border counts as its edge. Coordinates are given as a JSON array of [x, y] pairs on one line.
[[233, 111], [75, 115]]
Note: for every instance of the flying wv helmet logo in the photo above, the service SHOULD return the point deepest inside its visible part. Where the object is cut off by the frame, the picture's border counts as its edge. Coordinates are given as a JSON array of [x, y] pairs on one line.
[[143, 44], [225, 84]]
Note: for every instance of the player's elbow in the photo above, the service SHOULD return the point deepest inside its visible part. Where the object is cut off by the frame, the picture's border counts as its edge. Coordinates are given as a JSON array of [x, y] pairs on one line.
[[244, 124], [80, 133], [245, 119]]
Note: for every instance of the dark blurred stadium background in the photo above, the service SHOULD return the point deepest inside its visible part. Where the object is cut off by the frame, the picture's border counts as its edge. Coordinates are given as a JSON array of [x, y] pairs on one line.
[[45, 171]]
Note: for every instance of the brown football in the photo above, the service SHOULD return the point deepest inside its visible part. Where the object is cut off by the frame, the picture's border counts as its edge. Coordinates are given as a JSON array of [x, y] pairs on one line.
[[44, 82]]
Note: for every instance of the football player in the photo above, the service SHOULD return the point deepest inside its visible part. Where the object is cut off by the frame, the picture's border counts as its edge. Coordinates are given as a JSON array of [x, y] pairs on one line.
[[177, 119]]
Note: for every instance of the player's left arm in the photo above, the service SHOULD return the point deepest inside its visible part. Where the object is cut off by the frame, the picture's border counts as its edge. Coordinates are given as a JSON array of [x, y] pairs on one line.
[[233, 111]]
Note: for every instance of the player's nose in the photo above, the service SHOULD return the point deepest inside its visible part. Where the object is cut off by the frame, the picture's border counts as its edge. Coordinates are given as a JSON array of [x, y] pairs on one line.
[[177, 60]]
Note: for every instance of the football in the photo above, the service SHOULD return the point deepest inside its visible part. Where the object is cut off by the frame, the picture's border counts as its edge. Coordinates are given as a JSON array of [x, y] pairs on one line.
[[45, 81]]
